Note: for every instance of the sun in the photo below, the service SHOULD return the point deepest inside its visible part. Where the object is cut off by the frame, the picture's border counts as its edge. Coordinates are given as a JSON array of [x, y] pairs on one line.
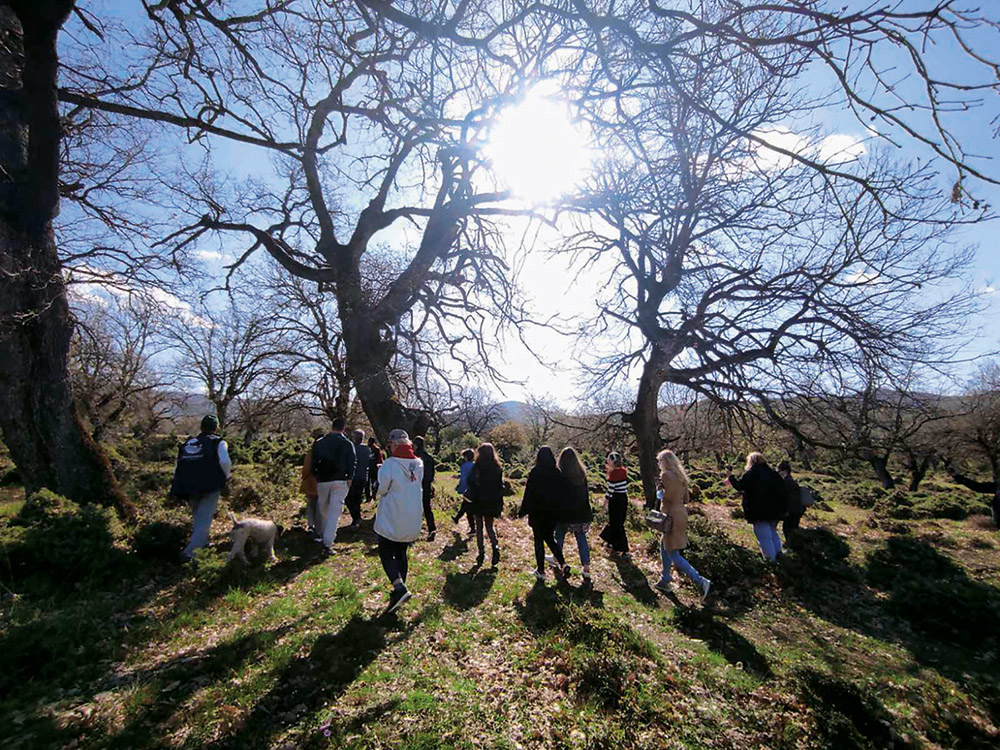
[[536, 150]]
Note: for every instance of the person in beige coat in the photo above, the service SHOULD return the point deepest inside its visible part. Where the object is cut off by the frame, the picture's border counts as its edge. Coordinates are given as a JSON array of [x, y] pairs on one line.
[[675, 484]]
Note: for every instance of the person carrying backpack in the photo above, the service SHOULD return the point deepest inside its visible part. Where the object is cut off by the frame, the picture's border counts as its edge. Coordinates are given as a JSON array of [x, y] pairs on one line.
[[201, 473], [765, 502]]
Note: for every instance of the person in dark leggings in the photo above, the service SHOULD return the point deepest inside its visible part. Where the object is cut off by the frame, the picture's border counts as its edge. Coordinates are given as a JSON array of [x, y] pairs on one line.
[[427, 487], [795, 508], [617, 496], [543, 493], [371, 486], [398, 518], [486, 498]]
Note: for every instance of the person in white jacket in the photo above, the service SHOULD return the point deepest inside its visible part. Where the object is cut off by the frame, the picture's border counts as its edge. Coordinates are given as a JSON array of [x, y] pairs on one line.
[[399, 517]]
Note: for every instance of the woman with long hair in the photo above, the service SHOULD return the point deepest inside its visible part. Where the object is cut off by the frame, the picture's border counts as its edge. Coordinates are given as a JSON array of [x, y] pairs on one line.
[[575, 513], [486, 498], [675, 484], [543, 493], [765, 502]]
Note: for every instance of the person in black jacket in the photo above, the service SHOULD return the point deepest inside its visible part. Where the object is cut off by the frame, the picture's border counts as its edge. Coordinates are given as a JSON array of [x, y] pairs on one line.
[[764, 502], [575, 513], [427, 488], [543, 494], [486, 498], [332, 463], [795, 508]]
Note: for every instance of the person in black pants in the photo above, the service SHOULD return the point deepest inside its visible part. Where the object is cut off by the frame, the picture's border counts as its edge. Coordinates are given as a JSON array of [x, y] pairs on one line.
[[356, 492], [543, 494], [795, 508], [617, 496], [427, 489]]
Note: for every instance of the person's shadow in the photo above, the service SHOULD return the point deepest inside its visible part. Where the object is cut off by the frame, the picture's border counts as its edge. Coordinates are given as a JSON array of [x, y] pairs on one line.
[[468, 590]]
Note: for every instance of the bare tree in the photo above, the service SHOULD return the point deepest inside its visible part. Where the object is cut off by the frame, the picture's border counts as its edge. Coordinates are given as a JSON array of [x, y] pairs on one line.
[[236, 354], [111, 362], [977, 434], [478, 410]]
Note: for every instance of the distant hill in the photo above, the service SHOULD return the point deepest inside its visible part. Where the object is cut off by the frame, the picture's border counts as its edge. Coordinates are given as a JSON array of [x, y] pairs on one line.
[[514, 411]]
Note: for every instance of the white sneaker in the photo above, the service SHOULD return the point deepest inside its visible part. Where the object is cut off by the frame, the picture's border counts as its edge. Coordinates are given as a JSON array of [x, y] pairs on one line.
[[552, 561], [705, 586], [540, 575]]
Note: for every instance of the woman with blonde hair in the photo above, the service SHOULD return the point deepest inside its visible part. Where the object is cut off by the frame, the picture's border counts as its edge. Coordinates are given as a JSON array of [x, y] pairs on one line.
[[765, 502], [675, 484]]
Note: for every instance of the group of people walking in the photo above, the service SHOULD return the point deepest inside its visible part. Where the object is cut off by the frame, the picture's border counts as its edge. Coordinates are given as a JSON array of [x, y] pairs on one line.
[[339, 471]]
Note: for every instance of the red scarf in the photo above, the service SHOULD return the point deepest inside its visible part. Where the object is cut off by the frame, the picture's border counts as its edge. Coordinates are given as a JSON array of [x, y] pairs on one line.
[[403, 450]]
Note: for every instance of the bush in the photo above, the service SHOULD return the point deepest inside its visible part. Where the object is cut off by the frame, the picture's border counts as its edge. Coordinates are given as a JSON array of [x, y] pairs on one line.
[[10, 478], [65, 542], [160, 540], [717, 557]]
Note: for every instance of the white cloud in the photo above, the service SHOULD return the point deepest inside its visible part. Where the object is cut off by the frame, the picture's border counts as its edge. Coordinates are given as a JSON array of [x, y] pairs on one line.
[[840, 148], [989, 289], [210, 255]]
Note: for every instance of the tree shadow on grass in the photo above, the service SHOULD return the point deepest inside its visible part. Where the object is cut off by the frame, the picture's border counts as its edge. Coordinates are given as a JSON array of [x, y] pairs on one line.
[[845, 716], [468, 590], [633, 582], [723, 640], [309, 682], [929, 605], [175, 681]]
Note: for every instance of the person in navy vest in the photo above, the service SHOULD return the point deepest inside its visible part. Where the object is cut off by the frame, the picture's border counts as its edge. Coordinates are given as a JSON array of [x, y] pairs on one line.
[[202, 470]]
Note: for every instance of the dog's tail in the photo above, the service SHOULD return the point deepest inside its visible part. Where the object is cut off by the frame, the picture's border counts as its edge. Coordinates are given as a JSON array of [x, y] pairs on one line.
[[235, 520]]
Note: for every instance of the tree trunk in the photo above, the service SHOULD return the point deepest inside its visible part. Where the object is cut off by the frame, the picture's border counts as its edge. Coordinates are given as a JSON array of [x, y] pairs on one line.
[[40, 422], [918, 470], [645, 421], [368, 358], [802, 453], [879, 464]]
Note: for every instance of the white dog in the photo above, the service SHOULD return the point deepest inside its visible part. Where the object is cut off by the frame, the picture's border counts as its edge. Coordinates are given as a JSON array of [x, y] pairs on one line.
[[258, 531]]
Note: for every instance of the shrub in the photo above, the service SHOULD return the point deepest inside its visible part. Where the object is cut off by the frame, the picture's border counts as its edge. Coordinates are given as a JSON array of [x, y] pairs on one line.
[[65, 542], [717, 557], [160, 540], [10, 478]]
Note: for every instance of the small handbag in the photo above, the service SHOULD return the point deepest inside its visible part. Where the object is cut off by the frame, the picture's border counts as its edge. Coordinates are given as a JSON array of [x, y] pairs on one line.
[[658, 521]]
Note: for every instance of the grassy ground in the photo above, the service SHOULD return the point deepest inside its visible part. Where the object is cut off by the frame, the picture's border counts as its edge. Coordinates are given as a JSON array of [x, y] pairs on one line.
[[874, 632]]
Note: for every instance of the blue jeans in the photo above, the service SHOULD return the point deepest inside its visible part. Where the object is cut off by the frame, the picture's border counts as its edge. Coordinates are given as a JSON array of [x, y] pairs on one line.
[[203, 511], [674, 557], [768, 539], [580, 532]]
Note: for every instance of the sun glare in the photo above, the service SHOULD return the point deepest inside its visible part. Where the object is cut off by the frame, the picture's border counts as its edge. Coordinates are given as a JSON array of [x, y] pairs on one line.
[[536, 150]]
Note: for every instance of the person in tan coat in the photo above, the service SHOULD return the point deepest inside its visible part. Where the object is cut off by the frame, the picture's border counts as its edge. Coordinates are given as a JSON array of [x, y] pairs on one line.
[[675, 484], [307, 486]]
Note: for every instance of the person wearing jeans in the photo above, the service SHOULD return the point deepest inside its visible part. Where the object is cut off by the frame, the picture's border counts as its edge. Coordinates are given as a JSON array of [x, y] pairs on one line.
[[575, 514], [768, 539], [676, 486], [765, 502], [202, 470]]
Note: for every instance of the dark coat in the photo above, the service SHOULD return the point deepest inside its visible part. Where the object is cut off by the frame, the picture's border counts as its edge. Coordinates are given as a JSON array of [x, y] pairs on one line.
[[795, 507], [765, 497], [543, 495], [575, 507], [486, 491], [333, 458]]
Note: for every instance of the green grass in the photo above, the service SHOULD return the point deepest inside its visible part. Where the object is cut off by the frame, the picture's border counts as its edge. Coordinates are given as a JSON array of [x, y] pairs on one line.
[[875, 629]]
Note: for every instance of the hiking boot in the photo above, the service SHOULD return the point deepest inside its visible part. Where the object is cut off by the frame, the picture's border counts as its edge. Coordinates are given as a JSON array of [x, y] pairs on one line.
[[396, 599], [705, 586], [479, 558], [431, 534]]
